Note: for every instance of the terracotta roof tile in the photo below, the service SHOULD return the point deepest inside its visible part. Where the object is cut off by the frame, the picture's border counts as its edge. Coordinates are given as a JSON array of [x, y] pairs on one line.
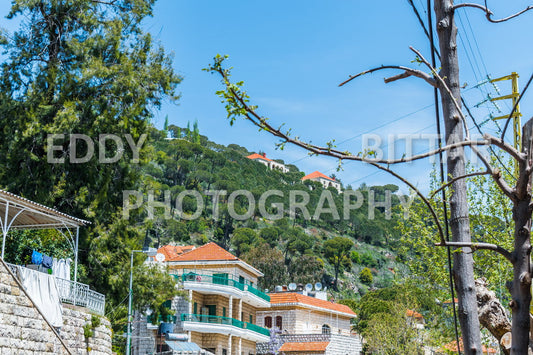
[[258, 156], [317, 174], [411, 313], [209, 251], [309, 346], [292, 297], [173, 251]]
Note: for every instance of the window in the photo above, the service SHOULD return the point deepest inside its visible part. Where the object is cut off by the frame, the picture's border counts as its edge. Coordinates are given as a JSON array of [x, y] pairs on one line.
[[223, 311], [251, 319], [279, 322], [195, 308], [326, 329], [212, 310], [268, 322]]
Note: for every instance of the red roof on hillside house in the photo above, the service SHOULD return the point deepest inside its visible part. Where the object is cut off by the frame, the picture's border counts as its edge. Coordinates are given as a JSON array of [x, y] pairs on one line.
[[171, 252], [317, 174], [208, 252], [309, 346], [452, 346], [258, 156], [411, 313], [295, 298]]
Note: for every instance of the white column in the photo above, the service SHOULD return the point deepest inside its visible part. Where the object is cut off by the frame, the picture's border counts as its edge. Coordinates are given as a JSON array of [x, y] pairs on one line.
[[240, 310], [230, 314], [190, 302], [239, 351]]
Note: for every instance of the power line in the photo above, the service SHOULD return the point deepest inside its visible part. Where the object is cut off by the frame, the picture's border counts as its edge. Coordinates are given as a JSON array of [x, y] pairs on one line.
[[372, 129]]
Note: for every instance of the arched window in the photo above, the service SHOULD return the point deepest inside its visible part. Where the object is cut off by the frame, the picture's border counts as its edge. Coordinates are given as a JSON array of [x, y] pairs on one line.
[[326, 329], [268, 322], [279, 322]]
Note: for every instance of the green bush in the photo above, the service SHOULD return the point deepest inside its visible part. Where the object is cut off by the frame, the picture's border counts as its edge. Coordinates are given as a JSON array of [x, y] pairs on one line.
[[365, 276]]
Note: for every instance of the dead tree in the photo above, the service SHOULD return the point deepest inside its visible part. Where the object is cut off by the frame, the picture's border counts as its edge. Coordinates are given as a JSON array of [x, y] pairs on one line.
[[457, 137]]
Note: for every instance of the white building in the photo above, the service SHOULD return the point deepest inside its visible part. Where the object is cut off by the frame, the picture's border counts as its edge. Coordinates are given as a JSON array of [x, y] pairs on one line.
[[271, 164], [326, 181]]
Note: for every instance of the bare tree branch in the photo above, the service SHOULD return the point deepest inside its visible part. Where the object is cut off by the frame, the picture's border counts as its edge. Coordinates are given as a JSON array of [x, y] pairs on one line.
[[459, 178], [499, 142], [497, 176], [475, 246], [443, 84], [407, 72], [488, 13]]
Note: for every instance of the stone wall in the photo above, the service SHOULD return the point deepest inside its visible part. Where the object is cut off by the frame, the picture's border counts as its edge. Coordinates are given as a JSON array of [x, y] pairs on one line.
[[306, 321], [23, 329], [74, 319]]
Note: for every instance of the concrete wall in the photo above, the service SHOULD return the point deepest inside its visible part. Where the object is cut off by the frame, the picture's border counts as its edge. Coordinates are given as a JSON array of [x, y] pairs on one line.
[[23, 329]]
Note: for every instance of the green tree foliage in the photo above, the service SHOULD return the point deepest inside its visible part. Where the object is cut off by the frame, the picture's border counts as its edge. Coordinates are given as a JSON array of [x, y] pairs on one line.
[[337, 252], [83, 67], [365, 276]]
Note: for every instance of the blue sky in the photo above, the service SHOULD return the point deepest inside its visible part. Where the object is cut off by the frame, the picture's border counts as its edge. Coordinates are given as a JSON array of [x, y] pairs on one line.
[[293, 54]]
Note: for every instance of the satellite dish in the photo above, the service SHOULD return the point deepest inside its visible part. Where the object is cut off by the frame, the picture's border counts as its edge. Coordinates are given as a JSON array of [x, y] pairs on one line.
[[309, 287], [292, 286], [278, 288], [318, 286], [160, 257]]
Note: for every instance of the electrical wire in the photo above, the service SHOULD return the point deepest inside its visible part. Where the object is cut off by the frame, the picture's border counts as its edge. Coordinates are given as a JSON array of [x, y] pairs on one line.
[[443, 192]]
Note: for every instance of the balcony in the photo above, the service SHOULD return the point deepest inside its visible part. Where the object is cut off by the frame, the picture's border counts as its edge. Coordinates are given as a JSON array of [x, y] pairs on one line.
[[226, 285], [74, 293], [224, 325]]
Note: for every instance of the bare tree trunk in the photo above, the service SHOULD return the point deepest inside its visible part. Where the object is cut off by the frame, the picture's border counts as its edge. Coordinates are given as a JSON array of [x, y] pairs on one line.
[[492, 315], [520, 287], [463, 269]]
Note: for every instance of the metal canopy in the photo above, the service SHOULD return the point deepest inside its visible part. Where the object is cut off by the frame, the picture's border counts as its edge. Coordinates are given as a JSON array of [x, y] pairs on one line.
[[20, 213], [17, 212]]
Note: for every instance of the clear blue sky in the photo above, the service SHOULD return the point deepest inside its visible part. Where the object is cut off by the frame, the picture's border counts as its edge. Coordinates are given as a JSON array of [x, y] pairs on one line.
[[293, 54]]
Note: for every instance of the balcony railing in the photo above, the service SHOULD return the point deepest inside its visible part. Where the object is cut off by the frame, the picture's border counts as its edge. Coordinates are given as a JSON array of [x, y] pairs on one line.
[[224, 320], [227, 281], [75, 293]]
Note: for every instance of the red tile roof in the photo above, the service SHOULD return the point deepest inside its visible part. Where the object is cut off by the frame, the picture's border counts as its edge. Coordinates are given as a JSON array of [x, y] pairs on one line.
[[317, 174], [209, 251], [452, 346], [292, 297], [258, 156], [411, 313], [310, 346], [171, 252]]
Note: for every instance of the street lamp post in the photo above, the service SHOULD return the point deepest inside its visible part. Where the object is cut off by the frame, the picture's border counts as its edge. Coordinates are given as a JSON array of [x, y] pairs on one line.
[[130, 296]]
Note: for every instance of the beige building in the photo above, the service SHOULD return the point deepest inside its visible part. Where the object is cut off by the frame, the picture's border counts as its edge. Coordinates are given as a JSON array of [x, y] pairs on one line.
[[271, 164], [308, 325], [220, 312], [325, 180]]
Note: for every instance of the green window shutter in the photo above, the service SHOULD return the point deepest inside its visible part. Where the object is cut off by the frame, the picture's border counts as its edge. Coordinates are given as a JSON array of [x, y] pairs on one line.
[[223, 311], [195, 308]]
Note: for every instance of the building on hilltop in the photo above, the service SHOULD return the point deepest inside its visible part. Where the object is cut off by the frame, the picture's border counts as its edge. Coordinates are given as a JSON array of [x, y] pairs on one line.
[[219, 314], [326, 181], [269, 163], [308, 325]]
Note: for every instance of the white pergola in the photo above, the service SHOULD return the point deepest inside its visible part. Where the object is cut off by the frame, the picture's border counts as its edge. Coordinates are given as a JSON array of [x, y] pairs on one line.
[[20, 213]]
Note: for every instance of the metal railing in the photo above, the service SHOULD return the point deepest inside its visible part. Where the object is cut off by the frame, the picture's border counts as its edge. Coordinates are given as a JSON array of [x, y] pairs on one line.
[[75, 293], [221, 280], [224, 320]]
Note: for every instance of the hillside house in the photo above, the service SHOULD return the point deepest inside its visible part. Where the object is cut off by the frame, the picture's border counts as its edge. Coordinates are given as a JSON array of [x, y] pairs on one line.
[[269, 163], [326, 181], [308, 325], [219, 314]]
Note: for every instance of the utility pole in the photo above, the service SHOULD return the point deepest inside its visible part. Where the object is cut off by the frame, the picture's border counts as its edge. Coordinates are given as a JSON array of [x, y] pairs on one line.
[[517, 126], [463, 263]]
